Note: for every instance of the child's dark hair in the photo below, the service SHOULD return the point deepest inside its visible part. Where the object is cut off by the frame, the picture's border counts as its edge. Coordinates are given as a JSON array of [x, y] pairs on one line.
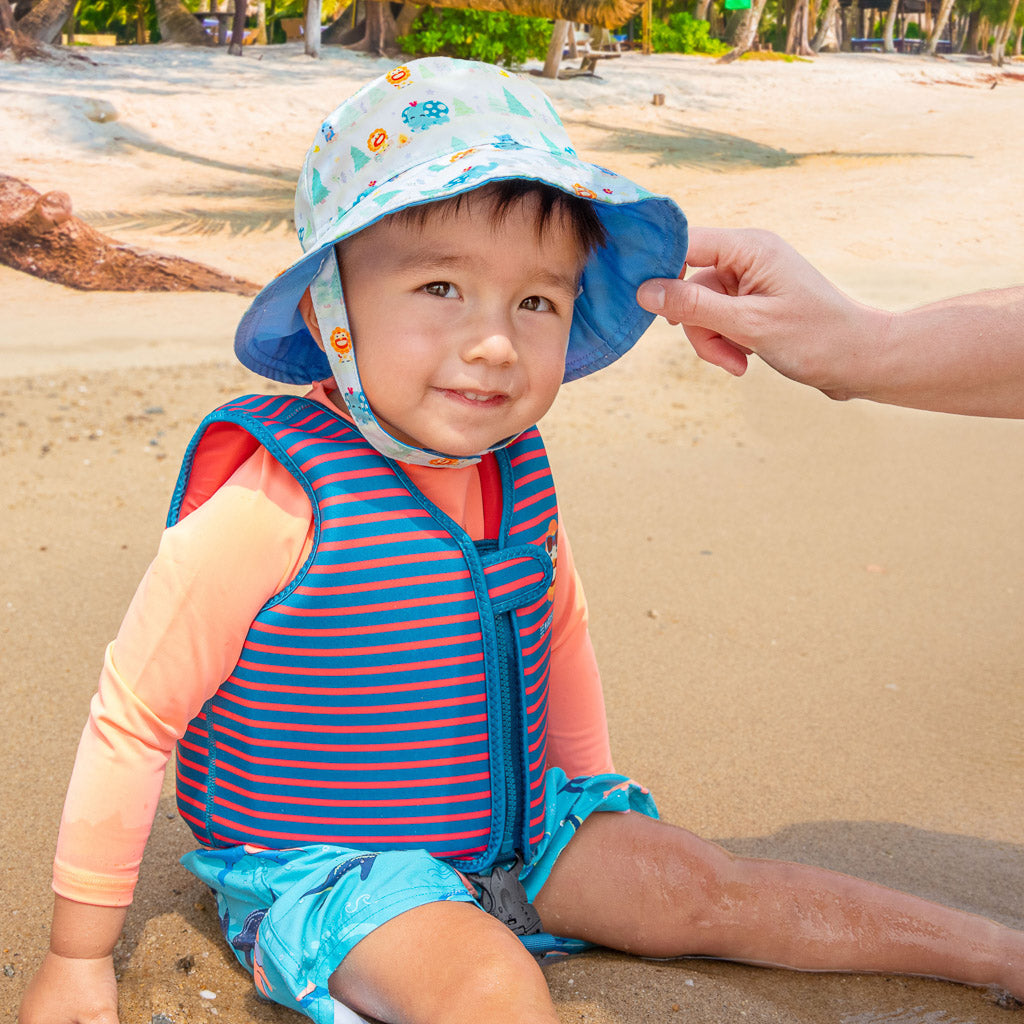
[[552, 204]]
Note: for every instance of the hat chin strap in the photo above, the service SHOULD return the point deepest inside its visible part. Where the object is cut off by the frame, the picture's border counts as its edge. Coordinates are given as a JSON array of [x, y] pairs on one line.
[[332, 318]]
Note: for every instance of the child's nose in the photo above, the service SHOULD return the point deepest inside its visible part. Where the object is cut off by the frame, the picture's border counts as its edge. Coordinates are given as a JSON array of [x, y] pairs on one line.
[[491, 342]]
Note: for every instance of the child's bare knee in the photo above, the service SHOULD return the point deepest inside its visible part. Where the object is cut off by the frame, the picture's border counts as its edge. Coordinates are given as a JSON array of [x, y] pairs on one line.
[[444, 963], [666, 889]]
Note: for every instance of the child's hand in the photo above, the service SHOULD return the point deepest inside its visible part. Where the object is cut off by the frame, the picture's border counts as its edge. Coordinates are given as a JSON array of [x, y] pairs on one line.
[[71, 991]]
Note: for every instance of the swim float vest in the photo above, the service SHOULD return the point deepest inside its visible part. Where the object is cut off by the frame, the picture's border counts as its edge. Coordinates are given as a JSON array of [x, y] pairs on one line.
[[394, 694]]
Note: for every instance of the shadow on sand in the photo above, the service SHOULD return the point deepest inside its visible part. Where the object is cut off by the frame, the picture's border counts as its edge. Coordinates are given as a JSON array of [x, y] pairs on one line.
[[683, 145]]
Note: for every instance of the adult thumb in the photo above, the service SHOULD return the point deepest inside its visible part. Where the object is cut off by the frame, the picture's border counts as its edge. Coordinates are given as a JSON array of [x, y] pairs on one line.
[[687, 303]]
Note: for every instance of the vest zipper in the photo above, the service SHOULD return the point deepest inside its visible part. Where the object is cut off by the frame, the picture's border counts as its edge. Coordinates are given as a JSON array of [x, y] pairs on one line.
[[511, 738]]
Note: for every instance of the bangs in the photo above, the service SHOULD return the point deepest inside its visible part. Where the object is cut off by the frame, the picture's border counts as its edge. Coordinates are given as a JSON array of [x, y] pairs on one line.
[[551, 206]]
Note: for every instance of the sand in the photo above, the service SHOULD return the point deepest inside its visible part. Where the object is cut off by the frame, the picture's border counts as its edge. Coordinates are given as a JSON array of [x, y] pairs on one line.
[[807, 614]]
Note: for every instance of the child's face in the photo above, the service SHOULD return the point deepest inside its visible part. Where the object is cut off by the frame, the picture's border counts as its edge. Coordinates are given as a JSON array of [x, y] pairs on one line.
[[460, 323]]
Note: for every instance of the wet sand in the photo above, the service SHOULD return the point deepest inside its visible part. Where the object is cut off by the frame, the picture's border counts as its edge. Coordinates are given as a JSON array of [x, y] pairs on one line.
[[808, 615]]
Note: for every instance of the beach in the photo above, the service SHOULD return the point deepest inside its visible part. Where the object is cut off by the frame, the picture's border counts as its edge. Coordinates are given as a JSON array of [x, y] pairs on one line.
[[807, 614]]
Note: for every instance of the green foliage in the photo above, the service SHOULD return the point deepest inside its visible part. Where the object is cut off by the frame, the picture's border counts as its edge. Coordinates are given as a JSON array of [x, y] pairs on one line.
[[683, 33], [277, 11], [495, 38], [118, 17]]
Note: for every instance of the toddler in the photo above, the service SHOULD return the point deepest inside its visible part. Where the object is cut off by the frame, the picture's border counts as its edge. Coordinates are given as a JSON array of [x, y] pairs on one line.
[[365, 638]]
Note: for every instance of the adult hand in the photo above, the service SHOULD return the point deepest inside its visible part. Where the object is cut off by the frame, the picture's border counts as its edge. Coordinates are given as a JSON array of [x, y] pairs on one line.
[[66, 990], [752, 292]]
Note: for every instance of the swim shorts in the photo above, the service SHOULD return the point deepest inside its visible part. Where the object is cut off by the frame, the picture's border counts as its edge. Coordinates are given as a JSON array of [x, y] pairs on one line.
[[291, 916]]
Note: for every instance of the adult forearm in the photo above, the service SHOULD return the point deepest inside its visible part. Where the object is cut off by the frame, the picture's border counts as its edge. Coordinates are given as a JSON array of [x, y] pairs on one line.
[[960, 355]]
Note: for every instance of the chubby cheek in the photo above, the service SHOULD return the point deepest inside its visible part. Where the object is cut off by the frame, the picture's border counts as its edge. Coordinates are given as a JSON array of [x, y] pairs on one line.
[[544, 388], [551, 368], [551, 380]]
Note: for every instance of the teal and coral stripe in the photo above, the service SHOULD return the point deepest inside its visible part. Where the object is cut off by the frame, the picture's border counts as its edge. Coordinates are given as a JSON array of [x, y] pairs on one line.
[[359, 710]]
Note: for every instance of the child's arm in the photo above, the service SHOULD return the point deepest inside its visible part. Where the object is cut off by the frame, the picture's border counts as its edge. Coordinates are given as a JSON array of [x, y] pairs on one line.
[[577, 733], [75, 984], [179, 640]]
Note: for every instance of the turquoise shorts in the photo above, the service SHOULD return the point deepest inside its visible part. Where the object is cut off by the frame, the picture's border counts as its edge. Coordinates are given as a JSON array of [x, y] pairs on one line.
[[291, 916]]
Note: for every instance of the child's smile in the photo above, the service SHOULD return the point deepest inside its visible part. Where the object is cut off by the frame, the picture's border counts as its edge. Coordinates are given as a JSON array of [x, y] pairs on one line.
[[460, 321]]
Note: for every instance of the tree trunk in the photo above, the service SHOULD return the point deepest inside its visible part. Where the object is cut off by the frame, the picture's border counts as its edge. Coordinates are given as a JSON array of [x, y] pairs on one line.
[[311, 28], [793, 10], [890, 23], [745, 31], [21, 45], [714, 20], [554, 54], [43, 23], [238, 29], [1002, 34], [380, 30], [941, 20], [980, 46], [406, 16], [40, 236], [847, 18], [801, 20], [826, 39], [340, 31], [702, 10], [178, 25], [973, 34], [570, 42], [1019, 42]]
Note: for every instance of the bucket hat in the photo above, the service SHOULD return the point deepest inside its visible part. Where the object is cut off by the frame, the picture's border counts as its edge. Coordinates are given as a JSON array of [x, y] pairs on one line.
[[427, 130]]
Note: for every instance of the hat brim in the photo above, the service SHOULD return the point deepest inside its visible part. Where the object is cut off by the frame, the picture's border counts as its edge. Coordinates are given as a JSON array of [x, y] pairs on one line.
[[646, 237]]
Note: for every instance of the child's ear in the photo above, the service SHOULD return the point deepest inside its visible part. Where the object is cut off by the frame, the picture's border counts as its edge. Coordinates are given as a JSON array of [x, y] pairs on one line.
[[309, 316]]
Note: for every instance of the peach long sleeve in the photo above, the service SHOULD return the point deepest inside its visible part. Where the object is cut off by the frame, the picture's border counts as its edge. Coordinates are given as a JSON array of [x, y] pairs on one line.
[[182, 635]]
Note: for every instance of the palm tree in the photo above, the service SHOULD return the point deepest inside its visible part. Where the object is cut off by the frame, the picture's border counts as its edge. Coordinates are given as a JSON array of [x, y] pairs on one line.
[[826, 39], [743, 32], [177, 24], [888, 45], [44, 21], [796, 35], [1002, 34], [941, 21]]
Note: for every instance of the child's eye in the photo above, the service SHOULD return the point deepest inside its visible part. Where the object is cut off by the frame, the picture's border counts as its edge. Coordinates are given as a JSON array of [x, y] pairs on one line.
[[537, 304], [442, 289]]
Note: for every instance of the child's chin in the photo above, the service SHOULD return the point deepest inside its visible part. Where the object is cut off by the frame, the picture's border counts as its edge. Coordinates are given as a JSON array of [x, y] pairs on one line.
[[460, 449], [462, 452]]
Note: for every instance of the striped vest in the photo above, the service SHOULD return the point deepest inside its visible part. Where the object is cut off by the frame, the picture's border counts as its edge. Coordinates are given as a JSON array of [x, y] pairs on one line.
[[394, 694]]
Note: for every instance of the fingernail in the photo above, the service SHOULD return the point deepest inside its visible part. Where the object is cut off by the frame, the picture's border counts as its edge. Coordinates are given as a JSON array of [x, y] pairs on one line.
[[652, 296]]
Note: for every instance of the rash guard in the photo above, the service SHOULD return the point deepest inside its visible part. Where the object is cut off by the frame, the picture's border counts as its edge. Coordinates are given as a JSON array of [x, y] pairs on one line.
[[184, 630]]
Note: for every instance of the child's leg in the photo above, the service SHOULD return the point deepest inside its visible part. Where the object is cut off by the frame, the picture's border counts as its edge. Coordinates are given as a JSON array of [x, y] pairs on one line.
[[635, 884], [444, 963]]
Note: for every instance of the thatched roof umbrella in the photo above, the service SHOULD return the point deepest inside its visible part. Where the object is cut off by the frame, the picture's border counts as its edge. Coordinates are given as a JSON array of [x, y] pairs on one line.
[[378, 31], [603, 13], [606, 13]]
